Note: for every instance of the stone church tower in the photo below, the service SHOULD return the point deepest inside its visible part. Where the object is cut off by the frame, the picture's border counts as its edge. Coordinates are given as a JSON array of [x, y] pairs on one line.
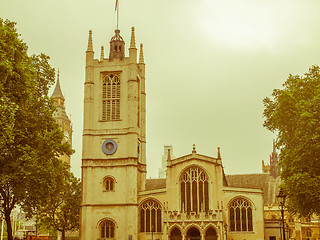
[[114, 141], [61, 117], [273, 168]]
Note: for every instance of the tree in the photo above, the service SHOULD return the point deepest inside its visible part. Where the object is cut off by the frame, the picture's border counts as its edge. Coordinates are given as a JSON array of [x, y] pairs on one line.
[[63, 206], [293, 113], [30, 139]]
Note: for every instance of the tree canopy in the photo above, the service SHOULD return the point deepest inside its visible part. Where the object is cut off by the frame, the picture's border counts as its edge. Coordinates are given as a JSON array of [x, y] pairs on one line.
[[31, 141], [63, 205], [293, 113]]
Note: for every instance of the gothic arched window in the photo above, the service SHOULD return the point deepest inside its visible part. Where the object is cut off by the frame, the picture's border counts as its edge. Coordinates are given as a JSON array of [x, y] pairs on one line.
[[194, 189], [150, 217], [111, 97], [240, 215], [108, 184], [107, 229]]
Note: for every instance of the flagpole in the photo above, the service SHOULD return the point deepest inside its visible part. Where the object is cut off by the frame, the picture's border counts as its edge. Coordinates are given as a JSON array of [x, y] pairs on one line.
[[117, 5]]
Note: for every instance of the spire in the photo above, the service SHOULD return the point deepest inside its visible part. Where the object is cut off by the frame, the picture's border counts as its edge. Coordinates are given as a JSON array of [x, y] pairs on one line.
[[141, 58], [219, 156], [57, 93], [102, 54], [194, 149], [90, 46], [133, 40]]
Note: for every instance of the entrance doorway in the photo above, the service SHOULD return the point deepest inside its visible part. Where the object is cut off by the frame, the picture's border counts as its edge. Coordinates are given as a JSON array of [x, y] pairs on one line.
[[175, 234], [193, 234], [211, 234]]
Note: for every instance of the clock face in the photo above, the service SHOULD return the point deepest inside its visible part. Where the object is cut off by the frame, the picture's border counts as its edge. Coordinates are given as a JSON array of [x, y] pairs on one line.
[[67, 136], [109, 146]]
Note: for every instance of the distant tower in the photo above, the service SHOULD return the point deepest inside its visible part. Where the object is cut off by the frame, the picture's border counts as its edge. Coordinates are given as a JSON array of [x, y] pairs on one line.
[[273, 168], [61, 116], [274, 162], [168, 149], [114, 141]]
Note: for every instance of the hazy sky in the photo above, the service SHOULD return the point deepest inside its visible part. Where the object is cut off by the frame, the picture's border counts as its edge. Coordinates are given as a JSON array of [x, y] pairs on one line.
[[209, 64]]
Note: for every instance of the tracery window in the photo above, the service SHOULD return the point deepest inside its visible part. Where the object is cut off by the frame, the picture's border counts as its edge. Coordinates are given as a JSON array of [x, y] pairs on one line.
[[108, 184], [150, 217], [107, 230], [111, 97], [240, 215], [194, 190]]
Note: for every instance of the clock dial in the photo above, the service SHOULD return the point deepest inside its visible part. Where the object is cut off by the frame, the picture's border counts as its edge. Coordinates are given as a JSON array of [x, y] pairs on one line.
[[109, 146]]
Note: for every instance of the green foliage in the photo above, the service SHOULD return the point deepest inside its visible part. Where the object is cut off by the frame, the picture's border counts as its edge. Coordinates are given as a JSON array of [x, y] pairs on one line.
[[30, 139], [63, 205], [294, 114]]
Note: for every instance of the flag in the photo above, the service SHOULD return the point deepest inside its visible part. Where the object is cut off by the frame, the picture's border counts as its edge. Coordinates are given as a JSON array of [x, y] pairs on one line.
[[116, 5]]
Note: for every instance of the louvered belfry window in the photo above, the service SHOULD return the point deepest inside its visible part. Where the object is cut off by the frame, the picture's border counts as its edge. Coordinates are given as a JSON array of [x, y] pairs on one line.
[[150, 217], [111, 97], [240, 215], [194, 190]]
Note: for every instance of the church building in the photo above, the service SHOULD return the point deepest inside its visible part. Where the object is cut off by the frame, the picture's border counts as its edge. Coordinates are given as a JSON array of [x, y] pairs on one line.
[[192, 201]]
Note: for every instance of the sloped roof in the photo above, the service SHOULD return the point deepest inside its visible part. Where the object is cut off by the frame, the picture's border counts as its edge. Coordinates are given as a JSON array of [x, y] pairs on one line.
[[57, 93], [155, 183], [263, 181]]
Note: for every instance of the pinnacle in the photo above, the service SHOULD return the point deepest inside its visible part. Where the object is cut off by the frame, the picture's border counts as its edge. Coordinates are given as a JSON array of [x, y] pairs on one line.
[[90, 46], [133, 40], [57, 93], [141, 58]]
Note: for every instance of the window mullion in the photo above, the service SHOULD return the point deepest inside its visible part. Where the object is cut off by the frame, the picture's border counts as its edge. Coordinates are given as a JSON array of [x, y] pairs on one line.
[[203, 198], [191, 193], [247, 222], [185, 197], [156, 218], [198, 197]]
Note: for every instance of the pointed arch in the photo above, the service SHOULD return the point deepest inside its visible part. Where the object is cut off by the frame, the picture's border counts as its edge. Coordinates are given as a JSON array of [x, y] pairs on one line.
[[210, 232], [175, 232], [192, 225], [150, 215], [193, 231], [210, 225], [194, 189], [240, 212], [111, 96]]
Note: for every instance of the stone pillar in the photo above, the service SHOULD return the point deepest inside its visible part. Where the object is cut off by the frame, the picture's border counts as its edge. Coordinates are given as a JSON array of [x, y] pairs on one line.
[[183, 236], [202, 236]]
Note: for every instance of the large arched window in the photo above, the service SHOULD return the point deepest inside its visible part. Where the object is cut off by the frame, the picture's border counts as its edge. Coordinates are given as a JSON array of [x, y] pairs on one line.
[[150, 217], [194, 189], [240, 215], [111, 97], [107, 229]]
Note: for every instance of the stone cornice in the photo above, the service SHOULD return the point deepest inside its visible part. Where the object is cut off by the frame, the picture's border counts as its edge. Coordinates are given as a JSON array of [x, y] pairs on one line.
[[109, 205], [103, 163]]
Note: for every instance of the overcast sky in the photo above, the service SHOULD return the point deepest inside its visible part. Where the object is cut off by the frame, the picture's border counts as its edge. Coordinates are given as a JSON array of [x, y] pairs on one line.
[[209, 64]]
